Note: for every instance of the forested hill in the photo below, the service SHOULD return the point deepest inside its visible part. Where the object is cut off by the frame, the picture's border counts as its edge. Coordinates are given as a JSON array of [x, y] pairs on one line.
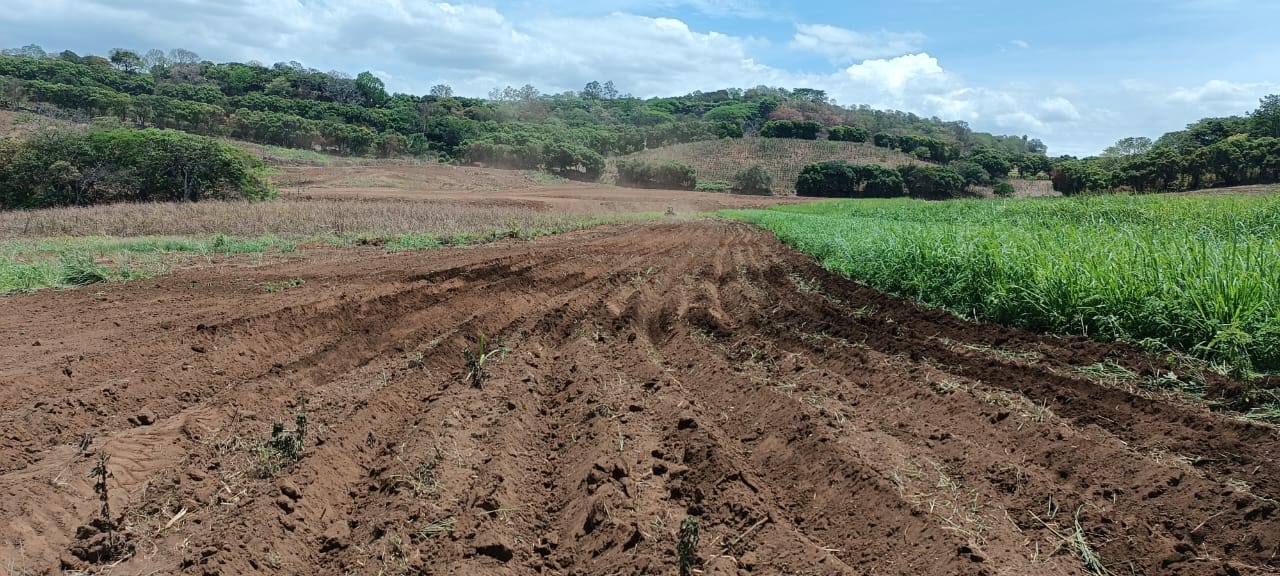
[[288, 104]]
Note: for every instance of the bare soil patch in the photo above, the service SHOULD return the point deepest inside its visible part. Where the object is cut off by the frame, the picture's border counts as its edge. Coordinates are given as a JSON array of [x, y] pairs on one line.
[[447, 184], [654, 372]]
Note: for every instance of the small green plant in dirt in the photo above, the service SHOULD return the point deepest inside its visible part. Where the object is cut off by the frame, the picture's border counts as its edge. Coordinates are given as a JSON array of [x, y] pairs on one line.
[[283, 448], [109, 544], [282, 285], [687, 546], [476, 357]]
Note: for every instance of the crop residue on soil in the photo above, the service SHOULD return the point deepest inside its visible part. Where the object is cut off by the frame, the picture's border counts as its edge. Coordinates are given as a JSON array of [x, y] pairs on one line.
[[652, 373]]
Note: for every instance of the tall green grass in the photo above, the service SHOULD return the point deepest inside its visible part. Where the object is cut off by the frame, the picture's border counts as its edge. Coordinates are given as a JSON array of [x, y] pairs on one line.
[[1197, 273]]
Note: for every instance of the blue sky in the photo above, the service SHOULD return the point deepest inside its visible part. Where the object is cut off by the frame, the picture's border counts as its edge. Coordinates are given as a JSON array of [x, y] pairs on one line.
[[1078, 75]]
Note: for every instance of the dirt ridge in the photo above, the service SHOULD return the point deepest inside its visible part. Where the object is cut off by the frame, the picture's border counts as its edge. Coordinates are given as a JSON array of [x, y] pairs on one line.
[[655, 372]]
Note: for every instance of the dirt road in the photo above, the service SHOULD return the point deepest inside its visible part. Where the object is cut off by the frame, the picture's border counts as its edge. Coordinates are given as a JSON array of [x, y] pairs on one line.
[[654, 373]]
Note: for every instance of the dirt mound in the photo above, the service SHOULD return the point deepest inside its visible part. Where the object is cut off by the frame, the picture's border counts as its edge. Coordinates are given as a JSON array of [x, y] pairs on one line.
[[652, 373]]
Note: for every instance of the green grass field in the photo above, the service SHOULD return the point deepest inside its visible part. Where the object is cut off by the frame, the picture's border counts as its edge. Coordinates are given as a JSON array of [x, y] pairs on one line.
[[1199, 274]]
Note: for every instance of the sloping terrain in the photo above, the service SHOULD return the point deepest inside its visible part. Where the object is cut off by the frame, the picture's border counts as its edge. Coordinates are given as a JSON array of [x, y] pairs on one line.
[[784, 158], [652, 373], [444, 184]]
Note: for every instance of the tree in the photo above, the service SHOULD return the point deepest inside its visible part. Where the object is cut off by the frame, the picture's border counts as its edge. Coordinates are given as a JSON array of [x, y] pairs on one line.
[[442, 91], [278, 86], [996, 163], [1131, 146], [372, 88], [1210, 131], [972, 172], [840, 179], [155, 62], [125, 60], [810, 95], [31, 51], [931, 182], [1265, 121], [1073, 176], [609, 91], [592, 91], [668, 175], [848, 134], [755, 180], [183, 56], [801, 130], [125, 165]]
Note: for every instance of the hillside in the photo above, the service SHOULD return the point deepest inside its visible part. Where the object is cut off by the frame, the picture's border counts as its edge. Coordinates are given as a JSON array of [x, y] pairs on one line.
[[784, 158], [290, 105]]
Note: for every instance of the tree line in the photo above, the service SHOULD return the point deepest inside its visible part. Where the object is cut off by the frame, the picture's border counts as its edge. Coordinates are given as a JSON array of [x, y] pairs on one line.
[[1222, 151], [288, 104]]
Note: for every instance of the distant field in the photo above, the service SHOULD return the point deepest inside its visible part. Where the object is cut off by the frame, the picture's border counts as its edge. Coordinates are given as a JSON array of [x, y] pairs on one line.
[[784, 158], [1193, 272], [394, 207]]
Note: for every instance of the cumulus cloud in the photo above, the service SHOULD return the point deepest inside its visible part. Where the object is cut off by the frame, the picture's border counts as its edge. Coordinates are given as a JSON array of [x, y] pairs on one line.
[[895, 74], [1221, 93], [1058, 109], [842, 45]]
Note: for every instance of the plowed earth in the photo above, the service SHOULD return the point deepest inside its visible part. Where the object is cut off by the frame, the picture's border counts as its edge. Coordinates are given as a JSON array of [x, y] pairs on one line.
[[654, 372]]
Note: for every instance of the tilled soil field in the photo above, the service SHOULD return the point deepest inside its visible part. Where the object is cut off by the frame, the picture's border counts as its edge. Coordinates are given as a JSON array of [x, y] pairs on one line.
[[652, 373]]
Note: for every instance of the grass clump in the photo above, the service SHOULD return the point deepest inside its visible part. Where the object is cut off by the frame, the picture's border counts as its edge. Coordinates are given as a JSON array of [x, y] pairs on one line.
[[1195, 273], [687, 545], [283, 449], [475, 358]]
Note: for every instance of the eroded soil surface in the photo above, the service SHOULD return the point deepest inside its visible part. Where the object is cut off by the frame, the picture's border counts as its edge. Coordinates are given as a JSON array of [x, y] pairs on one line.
[[653, 373]]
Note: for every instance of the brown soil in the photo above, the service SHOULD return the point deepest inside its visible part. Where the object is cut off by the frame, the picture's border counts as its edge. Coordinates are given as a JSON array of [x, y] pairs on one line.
[[471, 186], [655, 372]]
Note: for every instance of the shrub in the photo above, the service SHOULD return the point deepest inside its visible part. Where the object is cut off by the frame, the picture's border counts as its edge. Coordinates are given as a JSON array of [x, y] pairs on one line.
[[126, 166], [933, 149], [972, 172], [931, 182], [755, 180], [848, 134], [840, 179], [797, 129], [572, 161], [669, 175], [527, 157], [1004, 189], [714, 186]]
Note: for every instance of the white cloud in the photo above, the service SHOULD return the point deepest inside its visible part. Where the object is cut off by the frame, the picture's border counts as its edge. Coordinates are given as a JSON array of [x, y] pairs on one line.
[[475, 47], [1020, 122], [841, 45], [1021, 44], [1220, 94], [1058, 109], [895, 74]]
